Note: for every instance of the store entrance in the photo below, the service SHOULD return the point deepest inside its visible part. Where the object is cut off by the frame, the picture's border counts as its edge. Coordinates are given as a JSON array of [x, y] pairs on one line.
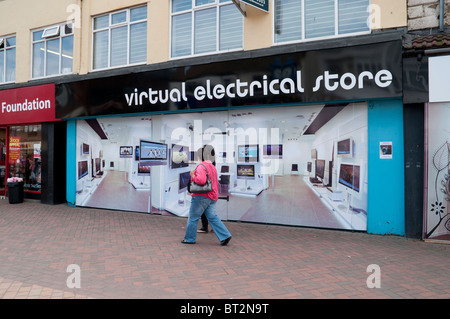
[[2, 160]]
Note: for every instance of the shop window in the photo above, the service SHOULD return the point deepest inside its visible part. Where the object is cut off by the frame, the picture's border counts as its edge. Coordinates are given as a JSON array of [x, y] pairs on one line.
[[24, 159], [205, 26], [120, 38], [7, 59], [52, 51], [299, 20]]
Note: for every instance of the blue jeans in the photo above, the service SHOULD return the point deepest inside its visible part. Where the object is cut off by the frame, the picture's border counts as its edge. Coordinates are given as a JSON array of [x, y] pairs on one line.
[[200, 205]]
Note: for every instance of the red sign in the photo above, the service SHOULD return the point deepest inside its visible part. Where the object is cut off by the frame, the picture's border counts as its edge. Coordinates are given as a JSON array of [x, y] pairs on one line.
[[34, 104]]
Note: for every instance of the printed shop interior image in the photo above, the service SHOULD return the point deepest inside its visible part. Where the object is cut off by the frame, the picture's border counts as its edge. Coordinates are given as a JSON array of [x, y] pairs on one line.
[[296, 165]]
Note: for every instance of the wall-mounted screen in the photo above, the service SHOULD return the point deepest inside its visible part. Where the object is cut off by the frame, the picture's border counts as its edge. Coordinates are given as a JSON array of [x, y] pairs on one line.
[[248, 153], [143, 170], [82, 169], [349, 176], [183, 181], [152, 151], [345, 148], [309, 167], [126, 151], [84, 149], [180, 156], [273, 150], [245, 171], [320, 168]]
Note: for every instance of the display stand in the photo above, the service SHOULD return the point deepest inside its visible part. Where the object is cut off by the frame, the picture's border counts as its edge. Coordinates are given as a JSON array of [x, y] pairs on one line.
[[350, 218]]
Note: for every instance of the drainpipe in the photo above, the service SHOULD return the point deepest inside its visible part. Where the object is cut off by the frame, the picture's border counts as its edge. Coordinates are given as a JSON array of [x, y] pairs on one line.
[[441, 15]]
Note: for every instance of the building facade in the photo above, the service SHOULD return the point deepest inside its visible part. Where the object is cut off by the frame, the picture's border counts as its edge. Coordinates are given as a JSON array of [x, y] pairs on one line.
[[304, 102]]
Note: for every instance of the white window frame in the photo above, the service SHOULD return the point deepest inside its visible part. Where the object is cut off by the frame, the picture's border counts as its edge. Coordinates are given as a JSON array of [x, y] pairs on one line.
[[304, 39], [5, 49], [112, 26], [61, 33], [216, 4]]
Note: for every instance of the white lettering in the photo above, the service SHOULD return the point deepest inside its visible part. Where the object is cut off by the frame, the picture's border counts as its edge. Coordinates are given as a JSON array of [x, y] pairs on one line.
[[383, 78], [288, 85]]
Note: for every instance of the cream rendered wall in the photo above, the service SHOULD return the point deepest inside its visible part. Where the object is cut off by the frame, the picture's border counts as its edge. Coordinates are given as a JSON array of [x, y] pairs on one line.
[[258, 26], [20, 17], [388, 14]]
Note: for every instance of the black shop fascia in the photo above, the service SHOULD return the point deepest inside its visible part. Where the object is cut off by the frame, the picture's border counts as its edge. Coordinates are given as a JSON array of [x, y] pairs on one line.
[[275, 77]]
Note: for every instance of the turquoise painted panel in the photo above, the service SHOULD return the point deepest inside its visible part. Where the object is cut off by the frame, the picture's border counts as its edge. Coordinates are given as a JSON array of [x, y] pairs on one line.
[[71, 162], [386, 192]]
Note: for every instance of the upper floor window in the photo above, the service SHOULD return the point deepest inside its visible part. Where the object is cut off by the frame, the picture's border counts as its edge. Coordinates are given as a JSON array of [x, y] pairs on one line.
[[297, 20], [52, 50], [205, 26], [7, 59], [120, 38]]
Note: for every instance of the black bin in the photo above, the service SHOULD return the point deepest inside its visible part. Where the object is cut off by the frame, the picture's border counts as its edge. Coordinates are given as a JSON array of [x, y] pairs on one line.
[[15, 192]]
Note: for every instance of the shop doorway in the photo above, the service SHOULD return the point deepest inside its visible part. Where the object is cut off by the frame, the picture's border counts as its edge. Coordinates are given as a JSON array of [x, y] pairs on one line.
[[2, 161]]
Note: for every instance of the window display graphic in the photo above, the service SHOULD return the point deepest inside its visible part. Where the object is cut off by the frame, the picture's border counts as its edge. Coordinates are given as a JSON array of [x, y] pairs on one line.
[[255, 152], [437, 225]]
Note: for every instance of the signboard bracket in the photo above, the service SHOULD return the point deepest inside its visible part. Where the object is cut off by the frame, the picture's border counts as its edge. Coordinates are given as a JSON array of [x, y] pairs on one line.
[[241, 7]]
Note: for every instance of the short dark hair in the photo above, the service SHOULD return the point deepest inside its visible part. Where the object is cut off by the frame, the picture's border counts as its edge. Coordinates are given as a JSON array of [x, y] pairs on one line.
[[207, 153]]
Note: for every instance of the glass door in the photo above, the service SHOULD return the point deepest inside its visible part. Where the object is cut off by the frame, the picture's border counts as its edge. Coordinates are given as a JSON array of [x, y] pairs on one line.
[[2, 160]]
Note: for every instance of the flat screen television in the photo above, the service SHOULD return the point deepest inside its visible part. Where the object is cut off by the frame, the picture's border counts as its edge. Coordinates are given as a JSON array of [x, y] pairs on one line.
[[245, 171], [85, 149], [136, 153], [248, 153], [320, 168], [152, 151], [273, 150], [345, 148], [183, 181], [349, 176], [82, 169], [143, 170], [180, 156], [126, 151]]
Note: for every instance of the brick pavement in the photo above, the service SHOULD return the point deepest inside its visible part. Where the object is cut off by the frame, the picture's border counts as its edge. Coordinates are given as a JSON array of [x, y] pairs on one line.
[[133, 255]]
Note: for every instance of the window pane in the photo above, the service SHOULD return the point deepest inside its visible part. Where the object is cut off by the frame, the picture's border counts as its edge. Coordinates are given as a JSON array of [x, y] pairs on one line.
[[231, 24], [202, 2], [138, 14], [10, 42], [205, 31], [10, 65], [67, 55], [37, 35], [181, 5], [29, 165], [101, 22], [138, 42], [2, 66], [319, 18], [353, 15], [120, 17], [181, 35], [38, 59], [288, 20], [52, 57], [119, 46], [100, 49]]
